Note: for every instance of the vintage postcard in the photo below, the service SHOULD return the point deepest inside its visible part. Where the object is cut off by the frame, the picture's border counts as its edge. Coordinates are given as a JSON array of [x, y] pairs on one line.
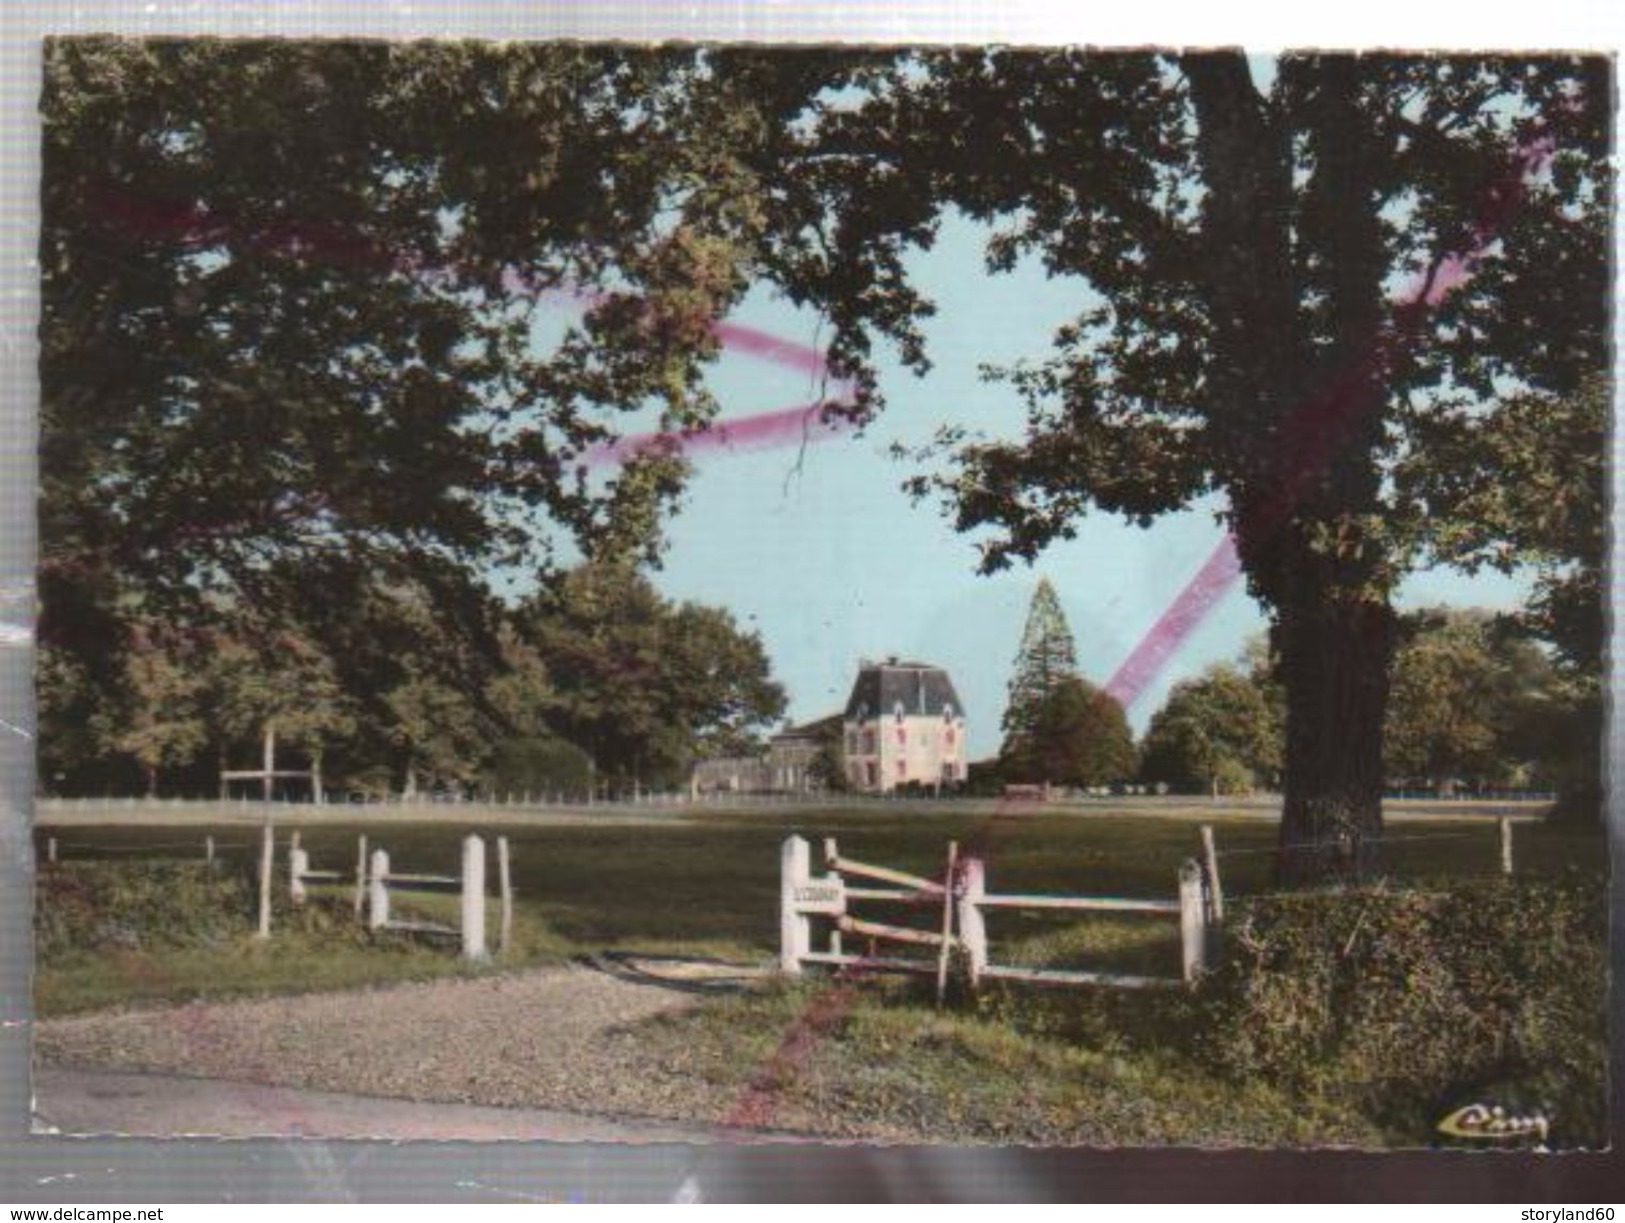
[[721, 593]]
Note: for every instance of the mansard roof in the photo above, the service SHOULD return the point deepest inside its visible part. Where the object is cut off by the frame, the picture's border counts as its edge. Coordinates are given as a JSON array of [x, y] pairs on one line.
[[809, 730], [919, 687]]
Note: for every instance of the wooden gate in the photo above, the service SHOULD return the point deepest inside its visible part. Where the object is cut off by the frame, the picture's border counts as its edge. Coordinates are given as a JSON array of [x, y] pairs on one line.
[[960, 900], [804, 897]]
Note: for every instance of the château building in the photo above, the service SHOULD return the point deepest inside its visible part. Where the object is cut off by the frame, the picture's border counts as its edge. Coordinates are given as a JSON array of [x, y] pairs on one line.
[[903, 724]]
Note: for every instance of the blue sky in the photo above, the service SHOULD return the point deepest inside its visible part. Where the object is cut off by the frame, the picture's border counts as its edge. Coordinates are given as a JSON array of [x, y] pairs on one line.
[[830, 561]]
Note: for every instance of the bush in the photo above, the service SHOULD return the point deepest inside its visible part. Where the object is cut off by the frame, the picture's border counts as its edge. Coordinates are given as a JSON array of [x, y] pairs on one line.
[[1407, 1004], [538, 766], [81, 906]]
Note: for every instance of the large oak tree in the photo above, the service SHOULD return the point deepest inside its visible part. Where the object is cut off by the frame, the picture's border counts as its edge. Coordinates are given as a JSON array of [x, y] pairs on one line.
[[1291, 278], [291, 300]]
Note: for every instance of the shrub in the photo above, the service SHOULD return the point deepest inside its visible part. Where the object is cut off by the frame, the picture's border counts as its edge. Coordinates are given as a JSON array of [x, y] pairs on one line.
[[83, 906], [1406, 1003], [538, 766]]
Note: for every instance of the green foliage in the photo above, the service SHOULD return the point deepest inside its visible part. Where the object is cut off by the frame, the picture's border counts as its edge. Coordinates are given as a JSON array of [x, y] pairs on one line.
[[876, 1060], [643, 685], [278, 324], [111, 906], [1404, 1003], [1078, 736], [1236, 243], [538, 766], [1046, 656], [1473, 700], [1217, 734], [984, 778], [288, 377], [118, 933], [1444, 706], [1057, 726], [162, 721], [261, 678], [287, 363], [1527, 487], [435, 728]]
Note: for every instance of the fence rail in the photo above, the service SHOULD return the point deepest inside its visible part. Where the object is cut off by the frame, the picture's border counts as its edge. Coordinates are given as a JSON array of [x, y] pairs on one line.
[[963, 896], [381, 881]]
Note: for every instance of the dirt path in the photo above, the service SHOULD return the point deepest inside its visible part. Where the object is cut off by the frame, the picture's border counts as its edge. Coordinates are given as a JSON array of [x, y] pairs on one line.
[[563, 1041]]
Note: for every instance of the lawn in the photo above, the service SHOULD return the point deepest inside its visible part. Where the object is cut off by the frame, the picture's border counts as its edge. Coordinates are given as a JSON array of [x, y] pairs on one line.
[[1015, 1064], [707, 883]]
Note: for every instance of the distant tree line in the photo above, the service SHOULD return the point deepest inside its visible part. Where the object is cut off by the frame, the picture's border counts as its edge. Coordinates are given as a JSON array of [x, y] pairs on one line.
[[599, 682], [1476, 704]]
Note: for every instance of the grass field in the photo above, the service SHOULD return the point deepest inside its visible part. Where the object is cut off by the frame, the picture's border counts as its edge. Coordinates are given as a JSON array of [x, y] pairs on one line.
[[707, 883], [1097, 1066]]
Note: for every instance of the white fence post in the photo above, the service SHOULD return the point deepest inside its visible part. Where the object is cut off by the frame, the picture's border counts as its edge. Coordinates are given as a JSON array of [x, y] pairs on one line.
[[378, 891], [505, 883], [267, 850], [795, 928], [972, 925], [298, 864], [208, 851], [360, 876], [943, 955], [1506, 846], [831, 853], [473, 898], [1192, 927], [1210, 855]]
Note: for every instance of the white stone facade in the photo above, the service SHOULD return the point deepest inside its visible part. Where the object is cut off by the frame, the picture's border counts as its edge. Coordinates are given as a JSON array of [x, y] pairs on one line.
[[903, 724]]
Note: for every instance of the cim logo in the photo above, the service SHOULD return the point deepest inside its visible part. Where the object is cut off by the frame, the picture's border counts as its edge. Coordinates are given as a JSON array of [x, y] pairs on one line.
[[1491, 1123]]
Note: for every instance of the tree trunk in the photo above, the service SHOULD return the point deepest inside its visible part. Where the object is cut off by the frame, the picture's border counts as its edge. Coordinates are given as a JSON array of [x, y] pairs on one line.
[[1334, 657], [1306, 392], [152, 780]]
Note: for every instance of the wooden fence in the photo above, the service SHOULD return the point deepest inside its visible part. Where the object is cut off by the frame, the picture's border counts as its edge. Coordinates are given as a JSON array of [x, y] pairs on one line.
[[375, 880], [802, 897], [963, 900], [974, 900]]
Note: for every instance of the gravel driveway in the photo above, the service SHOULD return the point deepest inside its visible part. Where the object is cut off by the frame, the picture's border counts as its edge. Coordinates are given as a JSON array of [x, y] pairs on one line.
[[563, 1039]]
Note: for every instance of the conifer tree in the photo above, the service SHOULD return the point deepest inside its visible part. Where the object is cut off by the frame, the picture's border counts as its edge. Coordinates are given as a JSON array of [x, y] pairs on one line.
[[1047, 657]]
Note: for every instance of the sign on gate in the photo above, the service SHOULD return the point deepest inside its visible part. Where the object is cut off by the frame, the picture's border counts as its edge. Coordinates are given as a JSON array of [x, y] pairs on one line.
[[827, 896]]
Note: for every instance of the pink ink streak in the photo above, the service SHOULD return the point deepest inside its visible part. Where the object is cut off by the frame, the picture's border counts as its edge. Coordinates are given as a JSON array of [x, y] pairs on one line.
[[762, 431], [800, 424], [1177, 622]]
